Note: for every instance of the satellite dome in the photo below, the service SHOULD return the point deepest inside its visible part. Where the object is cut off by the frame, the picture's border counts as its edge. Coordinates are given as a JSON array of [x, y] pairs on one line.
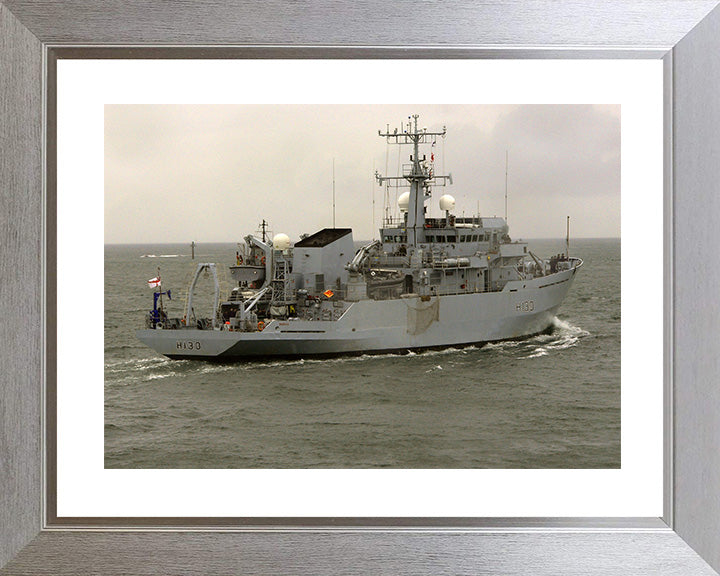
[[281, 242], [404, 201], [447, 203]]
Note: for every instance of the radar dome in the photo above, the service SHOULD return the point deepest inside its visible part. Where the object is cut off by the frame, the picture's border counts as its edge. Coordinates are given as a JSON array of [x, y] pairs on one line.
[[404, 201], [281, 242], [447, 203]]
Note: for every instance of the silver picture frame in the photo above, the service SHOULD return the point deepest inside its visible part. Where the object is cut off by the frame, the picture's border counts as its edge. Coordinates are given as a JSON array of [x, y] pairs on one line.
[[685, 34]]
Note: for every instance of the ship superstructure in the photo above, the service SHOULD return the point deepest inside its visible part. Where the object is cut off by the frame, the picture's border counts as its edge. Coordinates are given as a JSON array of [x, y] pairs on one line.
[[426, 283]]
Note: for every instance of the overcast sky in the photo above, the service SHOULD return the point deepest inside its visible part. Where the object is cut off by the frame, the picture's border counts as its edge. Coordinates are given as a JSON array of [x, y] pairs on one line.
[[178, 173]]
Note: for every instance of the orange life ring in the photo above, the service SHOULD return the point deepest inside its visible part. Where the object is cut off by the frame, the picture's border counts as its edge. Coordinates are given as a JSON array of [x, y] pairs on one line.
[[262, 260], [261, 326]]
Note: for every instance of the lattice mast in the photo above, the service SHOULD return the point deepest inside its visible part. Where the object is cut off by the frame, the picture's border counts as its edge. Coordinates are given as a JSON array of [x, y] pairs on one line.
[[420, 176]]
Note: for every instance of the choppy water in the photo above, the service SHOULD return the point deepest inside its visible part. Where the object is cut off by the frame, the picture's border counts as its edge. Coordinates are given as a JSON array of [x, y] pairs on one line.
[[552, 401]]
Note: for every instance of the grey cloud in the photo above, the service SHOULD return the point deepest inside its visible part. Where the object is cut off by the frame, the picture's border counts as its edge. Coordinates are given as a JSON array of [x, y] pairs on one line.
[[211, 173]]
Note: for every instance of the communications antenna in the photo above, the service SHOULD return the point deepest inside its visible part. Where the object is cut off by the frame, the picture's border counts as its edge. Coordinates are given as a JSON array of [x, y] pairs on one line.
[[419, 175], [506, 180]]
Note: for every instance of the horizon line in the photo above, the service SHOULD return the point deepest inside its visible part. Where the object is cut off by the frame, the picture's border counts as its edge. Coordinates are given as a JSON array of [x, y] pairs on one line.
[[356, 240]]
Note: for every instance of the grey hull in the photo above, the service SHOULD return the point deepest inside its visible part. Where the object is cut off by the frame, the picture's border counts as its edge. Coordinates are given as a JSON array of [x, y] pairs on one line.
[[521, 309]]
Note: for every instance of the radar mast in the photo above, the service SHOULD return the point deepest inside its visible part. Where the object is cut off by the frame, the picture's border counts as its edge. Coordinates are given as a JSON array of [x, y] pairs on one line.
[[419, 175]]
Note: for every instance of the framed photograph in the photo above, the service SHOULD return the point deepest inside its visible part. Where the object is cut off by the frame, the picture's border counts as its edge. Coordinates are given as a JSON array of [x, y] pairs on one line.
[[286, 418], [76, 499]]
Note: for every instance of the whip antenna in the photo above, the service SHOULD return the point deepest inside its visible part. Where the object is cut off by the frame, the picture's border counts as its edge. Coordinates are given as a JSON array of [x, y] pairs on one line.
[[506, 187], [567, 239]]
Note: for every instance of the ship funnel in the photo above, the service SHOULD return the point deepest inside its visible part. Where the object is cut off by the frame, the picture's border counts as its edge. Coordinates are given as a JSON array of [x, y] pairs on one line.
[[447, 203], [404, 201], [281, 242]]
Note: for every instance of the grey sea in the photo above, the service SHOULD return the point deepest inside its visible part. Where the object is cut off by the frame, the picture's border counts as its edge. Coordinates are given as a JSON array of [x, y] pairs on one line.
[[550, 401]]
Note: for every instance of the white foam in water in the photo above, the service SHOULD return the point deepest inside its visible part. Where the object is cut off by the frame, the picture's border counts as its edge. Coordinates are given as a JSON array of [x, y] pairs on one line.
[[158, 376], [564, 335], [434, 369], [502, 345], [142, 363], [538, 353], [566, 326], [216, 368]]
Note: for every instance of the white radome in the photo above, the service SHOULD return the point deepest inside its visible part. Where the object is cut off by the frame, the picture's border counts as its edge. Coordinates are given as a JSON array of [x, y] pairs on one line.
[[281, 242], [447, 203], [404, 201]]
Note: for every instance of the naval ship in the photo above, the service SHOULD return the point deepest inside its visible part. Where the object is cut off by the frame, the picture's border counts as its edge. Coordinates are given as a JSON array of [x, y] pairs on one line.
[[426, 283]]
